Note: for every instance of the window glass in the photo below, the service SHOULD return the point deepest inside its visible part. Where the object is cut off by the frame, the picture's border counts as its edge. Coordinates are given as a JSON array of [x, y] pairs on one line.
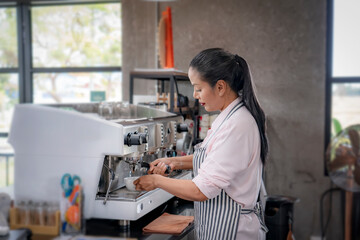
[[346, 48], [9, 96], [6, 171], [76, 87], [8, 38], [345, 105], [76, 35]]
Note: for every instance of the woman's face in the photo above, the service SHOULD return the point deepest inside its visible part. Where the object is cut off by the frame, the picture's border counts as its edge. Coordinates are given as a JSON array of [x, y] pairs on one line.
[[207, 95]]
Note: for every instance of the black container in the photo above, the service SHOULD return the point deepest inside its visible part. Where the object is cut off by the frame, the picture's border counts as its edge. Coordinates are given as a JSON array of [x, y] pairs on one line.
[[278, 216]]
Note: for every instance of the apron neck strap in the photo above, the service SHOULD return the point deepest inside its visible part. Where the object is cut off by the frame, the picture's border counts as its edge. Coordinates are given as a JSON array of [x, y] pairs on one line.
[[232, 111]]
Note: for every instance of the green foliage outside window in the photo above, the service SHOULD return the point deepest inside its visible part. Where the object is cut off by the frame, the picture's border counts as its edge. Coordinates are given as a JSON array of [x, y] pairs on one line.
[[8, 38], [77, 35], [8, 59]]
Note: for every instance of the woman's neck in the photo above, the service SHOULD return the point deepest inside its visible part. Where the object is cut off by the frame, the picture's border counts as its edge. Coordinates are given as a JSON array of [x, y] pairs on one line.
[[228, 99]]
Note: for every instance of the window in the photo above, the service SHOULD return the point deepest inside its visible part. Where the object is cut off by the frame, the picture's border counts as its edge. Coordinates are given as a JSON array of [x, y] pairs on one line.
[[9, 87], [343, 66], [56, 52], [9, 96], [76, 50], [346, 39], [75, 86]]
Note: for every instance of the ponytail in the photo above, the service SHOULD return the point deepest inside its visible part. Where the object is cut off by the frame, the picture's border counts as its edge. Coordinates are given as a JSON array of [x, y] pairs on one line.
[[252, 104], [214, 64]]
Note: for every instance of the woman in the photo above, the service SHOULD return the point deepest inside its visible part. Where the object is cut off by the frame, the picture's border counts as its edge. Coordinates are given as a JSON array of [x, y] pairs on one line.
[[228, 164]]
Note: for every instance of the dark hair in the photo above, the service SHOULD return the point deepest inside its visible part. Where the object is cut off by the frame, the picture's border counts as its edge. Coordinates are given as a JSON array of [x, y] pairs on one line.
[[215, 64]]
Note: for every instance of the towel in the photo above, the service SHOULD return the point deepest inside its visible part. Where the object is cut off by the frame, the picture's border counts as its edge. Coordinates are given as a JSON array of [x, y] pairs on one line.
[[169, 224]]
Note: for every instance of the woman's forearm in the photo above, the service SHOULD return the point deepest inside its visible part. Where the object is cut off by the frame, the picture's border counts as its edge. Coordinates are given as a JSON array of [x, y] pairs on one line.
[[183, 162], [185, 189]]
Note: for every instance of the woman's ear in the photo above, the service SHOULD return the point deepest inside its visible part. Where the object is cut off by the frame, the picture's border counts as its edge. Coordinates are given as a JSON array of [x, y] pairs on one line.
[[221, 87]]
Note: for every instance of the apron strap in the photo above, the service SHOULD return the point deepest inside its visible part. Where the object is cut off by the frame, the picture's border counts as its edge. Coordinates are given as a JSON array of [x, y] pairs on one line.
[[234, 109], [259, 206], [259, 213]]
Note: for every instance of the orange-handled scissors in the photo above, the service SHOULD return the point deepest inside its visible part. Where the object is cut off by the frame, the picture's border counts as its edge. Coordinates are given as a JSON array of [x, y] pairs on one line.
[[68, 183]]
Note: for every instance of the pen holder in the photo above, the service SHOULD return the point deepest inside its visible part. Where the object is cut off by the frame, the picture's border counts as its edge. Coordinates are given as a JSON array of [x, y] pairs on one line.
[[71, 211]]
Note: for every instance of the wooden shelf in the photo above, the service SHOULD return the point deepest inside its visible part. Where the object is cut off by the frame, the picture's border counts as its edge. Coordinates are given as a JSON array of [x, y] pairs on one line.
[[35, 229]]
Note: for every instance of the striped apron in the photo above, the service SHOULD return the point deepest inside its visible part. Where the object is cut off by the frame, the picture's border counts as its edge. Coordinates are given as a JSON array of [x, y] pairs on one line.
[[218, 218]]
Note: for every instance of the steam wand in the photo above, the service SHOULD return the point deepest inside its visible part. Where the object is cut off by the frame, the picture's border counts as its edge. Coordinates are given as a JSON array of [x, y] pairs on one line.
[[112, 174]]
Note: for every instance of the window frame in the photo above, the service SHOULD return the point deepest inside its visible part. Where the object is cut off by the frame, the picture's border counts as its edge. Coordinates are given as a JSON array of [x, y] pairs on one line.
[[330, 80]]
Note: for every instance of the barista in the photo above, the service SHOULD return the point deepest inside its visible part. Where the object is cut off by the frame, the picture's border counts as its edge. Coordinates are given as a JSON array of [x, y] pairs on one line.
[[228, 164]]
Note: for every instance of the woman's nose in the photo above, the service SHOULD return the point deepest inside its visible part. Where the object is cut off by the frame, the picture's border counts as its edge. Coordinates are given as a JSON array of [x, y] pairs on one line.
[[194, 94]]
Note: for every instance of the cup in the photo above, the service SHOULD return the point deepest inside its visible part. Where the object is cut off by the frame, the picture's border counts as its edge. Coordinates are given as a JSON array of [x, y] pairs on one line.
[[22, 208], [129, 183], [52, 208]]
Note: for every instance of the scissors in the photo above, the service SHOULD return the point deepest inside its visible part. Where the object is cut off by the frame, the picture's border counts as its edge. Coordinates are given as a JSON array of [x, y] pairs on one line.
[[68, 183]]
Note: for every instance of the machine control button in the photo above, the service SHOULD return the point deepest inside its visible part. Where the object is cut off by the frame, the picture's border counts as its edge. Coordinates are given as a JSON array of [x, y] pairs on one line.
[[136, 138]]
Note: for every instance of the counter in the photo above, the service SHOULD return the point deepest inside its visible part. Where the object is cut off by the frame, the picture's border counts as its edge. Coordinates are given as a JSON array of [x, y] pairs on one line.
[[111, 228]]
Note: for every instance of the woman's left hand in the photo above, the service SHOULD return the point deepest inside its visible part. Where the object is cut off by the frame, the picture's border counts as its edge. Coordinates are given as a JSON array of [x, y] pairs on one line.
[[146, 183]]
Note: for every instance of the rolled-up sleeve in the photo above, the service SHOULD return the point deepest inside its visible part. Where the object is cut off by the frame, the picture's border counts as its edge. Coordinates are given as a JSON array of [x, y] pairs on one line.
[[229, 153]]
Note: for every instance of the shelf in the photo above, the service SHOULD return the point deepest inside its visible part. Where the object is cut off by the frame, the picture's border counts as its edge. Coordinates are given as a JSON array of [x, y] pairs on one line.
[[159, 74], [171, 75]]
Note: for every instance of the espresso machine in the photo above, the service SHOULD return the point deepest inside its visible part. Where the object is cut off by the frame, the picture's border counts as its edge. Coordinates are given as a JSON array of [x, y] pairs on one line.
[[102, 143]]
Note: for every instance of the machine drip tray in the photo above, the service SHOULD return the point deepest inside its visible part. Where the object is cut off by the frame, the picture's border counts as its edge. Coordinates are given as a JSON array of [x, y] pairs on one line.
[[122, 194]]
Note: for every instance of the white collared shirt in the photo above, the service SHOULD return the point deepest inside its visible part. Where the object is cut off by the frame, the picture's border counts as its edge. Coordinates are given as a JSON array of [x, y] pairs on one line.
[[233, 163]]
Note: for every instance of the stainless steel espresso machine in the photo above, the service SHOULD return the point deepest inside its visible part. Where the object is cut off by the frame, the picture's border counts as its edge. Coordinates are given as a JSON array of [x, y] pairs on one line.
[[102, 143]]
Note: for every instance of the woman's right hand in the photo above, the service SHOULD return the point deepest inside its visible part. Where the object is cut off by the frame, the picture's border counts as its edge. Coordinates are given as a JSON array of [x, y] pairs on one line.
[[159, 166]]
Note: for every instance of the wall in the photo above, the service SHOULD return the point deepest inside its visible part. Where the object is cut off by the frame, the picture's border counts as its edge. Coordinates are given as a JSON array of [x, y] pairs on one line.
[[284, 43], [139, 28]]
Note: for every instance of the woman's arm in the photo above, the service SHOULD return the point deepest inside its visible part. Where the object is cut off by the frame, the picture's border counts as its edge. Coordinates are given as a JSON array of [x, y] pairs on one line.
[[183, 162], [176, 163], [181, 188]]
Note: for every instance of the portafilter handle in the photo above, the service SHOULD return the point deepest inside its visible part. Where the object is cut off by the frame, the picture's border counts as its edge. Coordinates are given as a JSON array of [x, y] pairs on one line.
[[147, 166]]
